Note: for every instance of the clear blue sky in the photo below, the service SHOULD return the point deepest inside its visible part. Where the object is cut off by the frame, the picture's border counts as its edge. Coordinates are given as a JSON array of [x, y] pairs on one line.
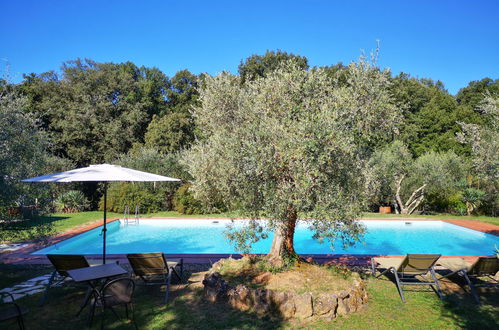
[[452, 41]]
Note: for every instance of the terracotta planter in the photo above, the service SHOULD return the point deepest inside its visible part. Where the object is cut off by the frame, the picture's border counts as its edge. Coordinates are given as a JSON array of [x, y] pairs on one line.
[[385, 209]]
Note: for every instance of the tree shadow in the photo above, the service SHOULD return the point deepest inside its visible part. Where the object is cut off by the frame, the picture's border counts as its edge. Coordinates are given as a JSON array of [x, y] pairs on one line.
[[187, 309], [34, 228], [460, 306]]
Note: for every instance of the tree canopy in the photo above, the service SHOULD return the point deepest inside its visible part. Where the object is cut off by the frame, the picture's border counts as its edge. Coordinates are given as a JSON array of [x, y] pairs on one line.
[[400, 180], [258, 66], [290, 146], [22, 148], [94, 112]]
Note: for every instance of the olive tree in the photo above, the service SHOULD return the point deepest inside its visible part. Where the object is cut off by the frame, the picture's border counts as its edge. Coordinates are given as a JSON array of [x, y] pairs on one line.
[[290, 147], [398, 179], [22, 148], [485, 149]]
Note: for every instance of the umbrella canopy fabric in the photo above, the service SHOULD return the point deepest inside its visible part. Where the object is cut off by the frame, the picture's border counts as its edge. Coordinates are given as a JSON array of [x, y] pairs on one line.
[[100, 173]]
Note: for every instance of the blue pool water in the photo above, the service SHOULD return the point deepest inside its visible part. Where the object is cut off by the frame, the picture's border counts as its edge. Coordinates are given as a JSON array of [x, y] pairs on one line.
[[206, 237]]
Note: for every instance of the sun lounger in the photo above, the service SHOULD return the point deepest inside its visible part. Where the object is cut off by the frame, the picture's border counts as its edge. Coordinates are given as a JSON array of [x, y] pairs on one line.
[[153, 266], [483, 267], [62, 263], [405, 270]]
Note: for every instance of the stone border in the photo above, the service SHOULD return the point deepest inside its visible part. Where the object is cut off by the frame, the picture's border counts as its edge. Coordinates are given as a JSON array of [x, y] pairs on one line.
[[286, 305]]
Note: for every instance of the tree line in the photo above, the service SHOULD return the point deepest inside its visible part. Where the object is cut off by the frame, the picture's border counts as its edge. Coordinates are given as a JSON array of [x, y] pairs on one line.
[[436, 152]]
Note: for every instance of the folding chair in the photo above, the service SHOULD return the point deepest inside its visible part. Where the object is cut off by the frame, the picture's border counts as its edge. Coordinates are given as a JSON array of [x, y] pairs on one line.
[[482, 267], [151, 266], [62, 263], [405, 271]]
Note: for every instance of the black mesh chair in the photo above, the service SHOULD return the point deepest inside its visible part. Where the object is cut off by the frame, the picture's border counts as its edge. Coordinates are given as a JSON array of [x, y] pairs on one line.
[[117, 292], [11, 310]]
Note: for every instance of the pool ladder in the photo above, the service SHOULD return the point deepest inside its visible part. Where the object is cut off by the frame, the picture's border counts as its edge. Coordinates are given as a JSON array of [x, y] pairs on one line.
[[126, 216]]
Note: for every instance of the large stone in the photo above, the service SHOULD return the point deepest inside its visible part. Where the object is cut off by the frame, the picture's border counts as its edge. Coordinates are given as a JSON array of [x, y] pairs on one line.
[[215, 288], [262, 301], [283, 303], [240, 297], [303, 305], [343, 306], [326, 303]]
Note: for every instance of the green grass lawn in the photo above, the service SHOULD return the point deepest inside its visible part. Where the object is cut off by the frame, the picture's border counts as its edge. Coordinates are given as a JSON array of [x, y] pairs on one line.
[[188, 310]]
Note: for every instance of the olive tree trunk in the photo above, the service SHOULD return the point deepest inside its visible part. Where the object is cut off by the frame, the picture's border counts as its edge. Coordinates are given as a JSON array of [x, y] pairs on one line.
[[282, 245], [414, 200]]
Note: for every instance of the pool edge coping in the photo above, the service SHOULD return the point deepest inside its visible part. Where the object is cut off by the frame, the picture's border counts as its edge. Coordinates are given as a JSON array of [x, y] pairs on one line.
[[23, 255]]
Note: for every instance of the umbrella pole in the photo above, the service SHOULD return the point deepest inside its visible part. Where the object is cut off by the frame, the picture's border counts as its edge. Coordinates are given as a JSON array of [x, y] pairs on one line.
[[105, 227]]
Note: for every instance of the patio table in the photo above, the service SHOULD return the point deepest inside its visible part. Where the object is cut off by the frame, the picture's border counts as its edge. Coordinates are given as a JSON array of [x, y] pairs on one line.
[[92, 275]]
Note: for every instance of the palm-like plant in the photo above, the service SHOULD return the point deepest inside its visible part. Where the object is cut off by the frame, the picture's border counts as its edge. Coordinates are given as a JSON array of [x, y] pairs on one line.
[[472, 198], [71, 201]]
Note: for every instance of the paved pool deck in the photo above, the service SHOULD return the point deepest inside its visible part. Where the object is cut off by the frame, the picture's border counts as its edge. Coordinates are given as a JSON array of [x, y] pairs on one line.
[[23, 254]]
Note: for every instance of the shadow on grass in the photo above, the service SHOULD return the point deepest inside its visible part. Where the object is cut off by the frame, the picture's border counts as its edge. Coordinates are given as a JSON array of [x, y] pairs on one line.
[[37, 228], [461, 307], [186, 310]]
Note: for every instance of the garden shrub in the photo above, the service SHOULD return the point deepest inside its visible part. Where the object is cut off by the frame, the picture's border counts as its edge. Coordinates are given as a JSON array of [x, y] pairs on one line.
[[71, 201], [456, 205], [184, 202], [133, 194]]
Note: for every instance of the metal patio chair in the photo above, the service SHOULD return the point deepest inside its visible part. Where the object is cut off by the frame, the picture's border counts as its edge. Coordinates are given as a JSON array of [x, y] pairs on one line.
[[117, 292], [153, 269], [62, 263], [406, 270], [11, 310], [482, 267]]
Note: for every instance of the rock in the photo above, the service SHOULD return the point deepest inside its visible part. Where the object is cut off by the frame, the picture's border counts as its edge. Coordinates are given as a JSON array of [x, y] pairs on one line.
[[325, 303], [283, 304], [240, 297], [303, 305], [343, 294], [343, 308], [262, 301], [215, 288]]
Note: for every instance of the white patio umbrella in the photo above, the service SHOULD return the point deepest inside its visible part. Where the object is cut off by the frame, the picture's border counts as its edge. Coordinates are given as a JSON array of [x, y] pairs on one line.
[[101, 173]]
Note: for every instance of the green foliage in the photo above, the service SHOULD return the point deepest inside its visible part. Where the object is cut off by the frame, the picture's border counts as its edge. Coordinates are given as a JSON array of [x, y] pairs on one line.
[[133, 194], [291, 141], [182, 93], [170, 133], [151, 197], [456, 204], [184, 202], [258, 66], [472, 95], [472, 198], [173, 130], [395, 177], [71, 202], [431, 116], [97, 110], [22, 149], [485, 151]]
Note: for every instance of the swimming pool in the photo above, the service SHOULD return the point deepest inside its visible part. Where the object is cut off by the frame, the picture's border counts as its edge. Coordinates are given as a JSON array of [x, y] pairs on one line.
[[190, 236]]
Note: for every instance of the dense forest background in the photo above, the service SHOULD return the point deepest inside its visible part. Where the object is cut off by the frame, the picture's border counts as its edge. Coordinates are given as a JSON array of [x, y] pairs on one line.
[[138, 117]]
